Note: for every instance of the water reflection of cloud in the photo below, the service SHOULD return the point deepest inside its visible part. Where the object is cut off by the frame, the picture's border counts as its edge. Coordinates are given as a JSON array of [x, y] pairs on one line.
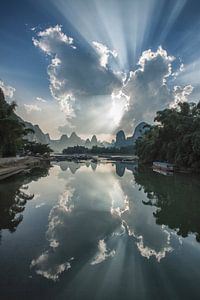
[[148, 252], [103, 253], [91, 209], [151, 240], [81, 218], [40, 205], [47, 270]]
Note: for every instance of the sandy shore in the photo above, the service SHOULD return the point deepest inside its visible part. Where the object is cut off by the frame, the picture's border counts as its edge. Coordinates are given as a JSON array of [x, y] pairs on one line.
[[13, 165]]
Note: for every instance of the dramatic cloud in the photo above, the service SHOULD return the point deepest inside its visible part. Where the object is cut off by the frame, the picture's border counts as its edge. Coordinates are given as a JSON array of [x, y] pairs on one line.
[[149, 88], [97, 97], [7, 89], [75, 73], [181, 93], [104, 53], [50, 39]]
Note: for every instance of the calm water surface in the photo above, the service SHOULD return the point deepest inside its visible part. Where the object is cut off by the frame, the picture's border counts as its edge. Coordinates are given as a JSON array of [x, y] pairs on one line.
[[87, 231]]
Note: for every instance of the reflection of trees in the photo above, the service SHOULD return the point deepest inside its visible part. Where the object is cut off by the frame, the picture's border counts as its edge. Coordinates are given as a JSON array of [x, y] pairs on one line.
[[176, 199], [13, 198]]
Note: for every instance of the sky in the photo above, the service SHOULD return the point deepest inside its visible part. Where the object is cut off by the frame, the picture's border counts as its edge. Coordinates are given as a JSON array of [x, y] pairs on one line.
[[98, 66]]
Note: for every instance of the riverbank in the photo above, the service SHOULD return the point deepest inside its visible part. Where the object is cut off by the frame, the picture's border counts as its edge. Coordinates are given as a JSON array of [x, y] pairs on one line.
[[10, 166], [177, 169]]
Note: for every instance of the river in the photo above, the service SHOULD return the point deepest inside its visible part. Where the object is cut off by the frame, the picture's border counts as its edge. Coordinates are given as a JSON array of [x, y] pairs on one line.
[[99, 231]]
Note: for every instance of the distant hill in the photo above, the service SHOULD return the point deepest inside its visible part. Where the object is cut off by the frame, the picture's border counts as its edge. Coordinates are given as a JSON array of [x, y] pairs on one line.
[[40, 137], [123, 141], [64, 142], [74, 140]]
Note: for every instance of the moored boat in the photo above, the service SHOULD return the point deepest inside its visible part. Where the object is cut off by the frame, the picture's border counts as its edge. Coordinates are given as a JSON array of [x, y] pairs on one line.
[[163, 166]]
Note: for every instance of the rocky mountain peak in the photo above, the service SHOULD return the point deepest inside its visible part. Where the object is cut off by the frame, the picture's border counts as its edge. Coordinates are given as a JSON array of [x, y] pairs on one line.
[[64, 138], [122, 141], [73, 135]]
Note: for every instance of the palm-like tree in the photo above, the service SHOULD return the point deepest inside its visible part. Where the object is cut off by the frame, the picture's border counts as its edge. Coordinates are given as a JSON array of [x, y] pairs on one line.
[[11, 129]]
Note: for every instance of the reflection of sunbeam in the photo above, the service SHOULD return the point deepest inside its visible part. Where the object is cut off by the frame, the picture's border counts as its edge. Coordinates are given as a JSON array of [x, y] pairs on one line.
[[120, 203], [113, 269], [110, 272], [46, 264], [97, 216], [69, 217]]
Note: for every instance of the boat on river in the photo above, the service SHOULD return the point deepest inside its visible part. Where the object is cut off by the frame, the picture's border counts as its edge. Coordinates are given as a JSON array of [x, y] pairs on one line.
[[163, 166]]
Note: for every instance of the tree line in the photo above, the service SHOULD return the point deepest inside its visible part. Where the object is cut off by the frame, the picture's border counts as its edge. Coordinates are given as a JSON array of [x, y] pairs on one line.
[[13, 132], [99, 150], [175, 138]]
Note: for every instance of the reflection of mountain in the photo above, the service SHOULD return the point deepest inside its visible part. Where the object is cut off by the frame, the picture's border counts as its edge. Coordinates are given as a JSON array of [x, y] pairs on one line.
[[14, 197], [176, 199], [122, 166], [74, 166]]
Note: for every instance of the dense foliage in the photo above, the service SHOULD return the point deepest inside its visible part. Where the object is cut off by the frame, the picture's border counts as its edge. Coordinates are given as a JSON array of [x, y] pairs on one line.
[[12, 130], [99, 150], [175, 138], [34, 148]]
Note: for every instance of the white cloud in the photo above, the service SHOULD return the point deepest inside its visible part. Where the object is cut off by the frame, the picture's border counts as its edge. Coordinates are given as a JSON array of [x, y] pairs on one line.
[[75, 74], [149, 90], [94, 96], [49, 39], [31, 107], [181, 94], [41, 99], [104, 53], [7, 89]]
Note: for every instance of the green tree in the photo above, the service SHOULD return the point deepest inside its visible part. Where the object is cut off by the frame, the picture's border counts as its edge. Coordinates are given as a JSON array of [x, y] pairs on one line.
[[175, 138], [11, 129], [37, 148]]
